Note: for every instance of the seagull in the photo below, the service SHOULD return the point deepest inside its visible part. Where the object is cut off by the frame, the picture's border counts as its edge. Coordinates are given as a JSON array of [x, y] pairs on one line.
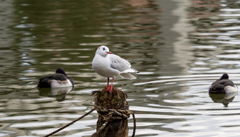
[[108, 65], [223, 86], [57, 80]]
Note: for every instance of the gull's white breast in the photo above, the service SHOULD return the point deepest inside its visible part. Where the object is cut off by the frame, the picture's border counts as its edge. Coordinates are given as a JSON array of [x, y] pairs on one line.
[[101, 65]]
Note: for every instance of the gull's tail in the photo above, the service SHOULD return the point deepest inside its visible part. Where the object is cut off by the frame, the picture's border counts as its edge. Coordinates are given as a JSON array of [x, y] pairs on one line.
[[126, 73], [127, 76], [131, 70]]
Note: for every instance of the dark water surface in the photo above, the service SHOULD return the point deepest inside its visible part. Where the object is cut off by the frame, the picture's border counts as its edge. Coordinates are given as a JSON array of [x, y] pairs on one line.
[[179, 46]]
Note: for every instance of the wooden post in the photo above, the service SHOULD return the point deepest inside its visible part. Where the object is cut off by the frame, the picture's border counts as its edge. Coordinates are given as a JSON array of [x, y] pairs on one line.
[[114, 100]]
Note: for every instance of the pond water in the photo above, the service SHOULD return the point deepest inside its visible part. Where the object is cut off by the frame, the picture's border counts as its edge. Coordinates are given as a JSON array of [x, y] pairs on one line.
[[179, 46]]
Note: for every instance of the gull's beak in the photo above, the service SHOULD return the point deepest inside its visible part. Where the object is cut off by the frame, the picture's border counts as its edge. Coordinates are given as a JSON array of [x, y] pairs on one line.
[[109, 52]]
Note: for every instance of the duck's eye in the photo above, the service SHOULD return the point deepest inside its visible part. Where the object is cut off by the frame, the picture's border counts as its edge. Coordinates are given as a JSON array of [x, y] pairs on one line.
[[103, 48]]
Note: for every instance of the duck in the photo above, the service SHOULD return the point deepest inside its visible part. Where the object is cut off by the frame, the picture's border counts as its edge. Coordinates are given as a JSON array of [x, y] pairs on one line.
[[223, 86], [107, 64], [57, 80]]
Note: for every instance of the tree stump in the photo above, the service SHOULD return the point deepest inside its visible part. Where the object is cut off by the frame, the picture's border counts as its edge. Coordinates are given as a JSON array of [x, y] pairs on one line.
[[116, 100]]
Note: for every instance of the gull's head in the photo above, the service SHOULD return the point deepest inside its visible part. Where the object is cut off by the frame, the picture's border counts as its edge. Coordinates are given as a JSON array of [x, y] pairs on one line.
[[103, 51]]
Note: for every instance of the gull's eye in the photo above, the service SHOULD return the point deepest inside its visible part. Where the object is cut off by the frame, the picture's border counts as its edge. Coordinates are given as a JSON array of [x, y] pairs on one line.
[[103, 48]]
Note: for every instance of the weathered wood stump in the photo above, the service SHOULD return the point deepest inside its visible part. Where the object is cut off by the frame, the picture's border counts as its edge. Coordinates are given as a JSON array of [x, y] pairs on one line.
[[113, 113]]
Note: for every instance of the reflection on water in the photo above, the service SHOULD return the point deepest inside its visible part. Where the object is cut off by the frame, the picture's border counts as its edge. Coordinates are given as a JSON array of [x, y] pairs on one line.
[[179, 47], [58, 93], [225, 99]]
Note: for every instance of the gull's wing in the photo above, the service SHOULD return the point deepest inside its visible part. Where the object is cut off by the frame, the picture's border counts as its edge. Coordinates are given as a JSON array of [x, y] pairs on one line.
[[119, 63]]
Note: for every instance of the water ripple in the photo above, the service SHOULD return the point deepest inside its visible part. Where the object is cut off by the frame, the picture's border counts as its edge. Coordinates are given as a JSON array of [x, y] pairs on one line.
[[179, 47]]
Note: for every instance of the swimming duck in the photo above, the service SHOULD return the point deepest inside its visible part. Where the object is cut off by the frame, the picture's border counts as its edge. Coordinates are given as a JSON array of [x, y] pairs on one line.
[[223, 86], [57, 80]]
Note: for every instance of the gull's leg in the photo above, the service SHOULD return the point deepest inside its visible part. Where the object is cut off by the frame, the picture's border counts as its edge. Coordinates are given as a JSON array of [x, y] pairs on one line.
[[110, 88], [108, 82], [107, 87]]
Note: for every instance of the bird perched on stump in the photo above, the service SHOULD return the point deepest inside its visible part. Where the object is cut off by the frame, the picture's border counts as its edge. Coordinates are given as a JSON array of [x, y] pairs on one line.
[[223, 86], [108, 65]]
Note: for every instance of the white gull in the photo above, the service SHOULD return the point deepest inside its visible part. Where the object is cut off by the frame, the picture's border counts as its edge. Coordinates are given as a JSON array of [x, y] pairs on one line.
[[108, 65]]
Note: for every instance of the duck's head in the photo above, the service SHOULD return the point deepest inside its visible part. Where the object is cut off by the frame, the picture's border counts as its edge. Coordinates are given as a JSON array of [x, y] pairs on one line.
[[103, 51], [224, 76], [60, 70]]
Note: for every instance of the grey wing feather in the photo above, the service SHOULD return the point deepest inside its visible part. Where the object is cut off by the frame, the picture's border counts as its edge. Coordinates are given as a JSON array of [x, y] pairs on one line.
[[119, 63]]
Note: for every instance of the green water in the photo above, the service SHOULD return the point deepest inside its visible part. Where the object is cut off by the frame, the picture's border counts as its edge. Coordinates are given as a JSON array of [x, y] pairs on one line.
[[179, 47]]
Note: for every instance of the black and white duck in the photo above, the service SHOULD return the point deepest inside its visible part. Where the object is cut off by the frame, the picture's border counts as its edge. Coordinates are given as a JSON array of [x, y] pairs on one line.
[[223, 86], [57, 80]]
